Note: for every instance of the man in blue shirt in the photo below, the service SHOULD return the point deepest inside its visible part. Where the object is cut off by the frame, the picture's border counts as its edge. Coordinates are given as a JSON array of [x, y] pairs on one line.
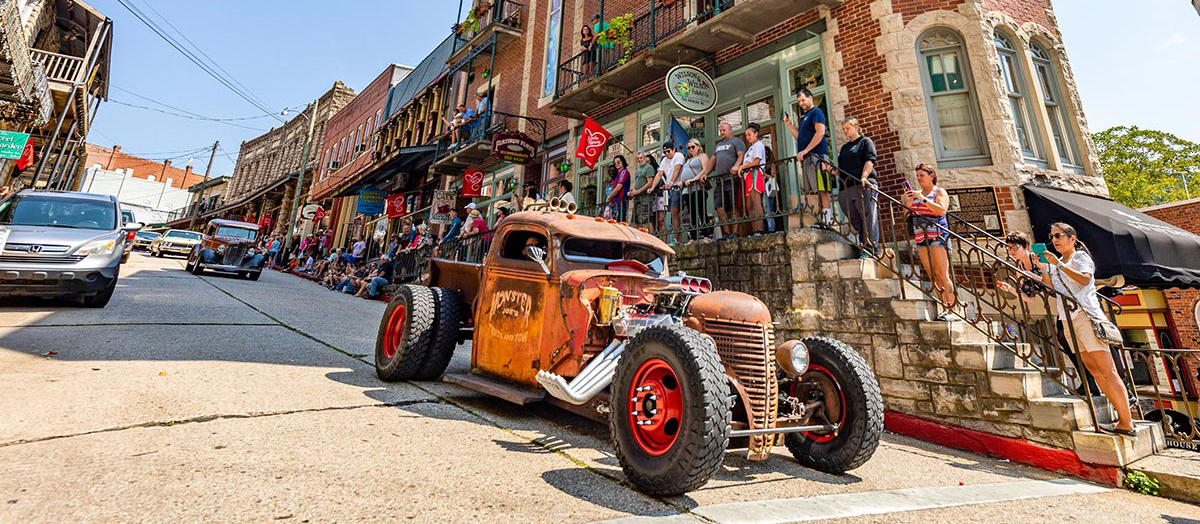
[[813, 153]]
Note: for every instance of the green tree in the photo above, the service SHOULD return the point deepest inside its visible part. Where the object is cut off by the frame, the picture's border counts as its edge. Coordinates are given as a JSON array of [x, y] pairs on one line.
[[1144, 167]]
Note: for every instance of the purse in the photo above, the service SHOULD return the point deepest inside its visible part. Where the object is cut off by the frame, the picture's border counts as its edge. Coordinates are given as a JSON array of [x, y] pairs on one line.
[[1104, 329]]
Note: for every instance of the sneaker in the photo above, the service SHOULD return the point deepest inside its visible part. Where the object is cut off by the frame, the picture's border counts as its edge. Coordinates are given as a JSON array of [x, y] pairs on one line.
[[821, 225], [865, 255], [947, 316]]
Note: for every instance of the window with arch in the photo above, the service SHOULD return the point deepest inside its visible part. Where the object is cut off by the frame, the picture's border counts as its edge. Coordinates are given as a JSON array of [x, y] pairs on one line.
[[1060, 130], [950, 96], [1017, 90]]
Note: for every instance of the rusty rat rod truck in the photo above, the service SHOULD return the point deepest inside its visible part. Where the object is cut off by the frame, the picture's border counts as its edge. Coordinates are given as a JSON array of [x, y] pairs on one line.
[[582, 312]]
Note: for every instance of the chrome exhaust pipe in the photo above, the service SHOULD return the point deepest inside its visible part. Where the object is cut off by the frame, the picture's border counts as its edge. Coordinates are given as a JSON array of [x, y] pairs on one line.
[[594, 377]]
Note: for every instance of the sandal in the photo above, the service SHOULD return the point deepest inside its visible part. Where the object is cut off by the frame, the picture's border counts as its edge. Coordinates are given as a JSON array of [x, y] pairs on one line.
[[1112, 428]]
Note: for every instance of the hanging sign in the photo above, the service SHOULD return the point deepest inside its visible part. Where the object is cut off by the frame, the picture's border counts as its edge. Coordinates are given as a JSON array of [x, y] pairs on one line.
[[370, 201], [442, 207], [396, 205], [12, 144], [309, 211], [691, 89], [513, 147], [472, 183]]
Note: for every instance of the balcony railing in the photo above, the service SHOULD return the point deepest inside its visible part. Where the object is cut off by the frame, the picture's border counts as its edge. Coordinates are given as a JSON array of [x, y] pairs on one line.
[[1165, 384], [473, 142], [649, 29], [499, 14], [60, 68]]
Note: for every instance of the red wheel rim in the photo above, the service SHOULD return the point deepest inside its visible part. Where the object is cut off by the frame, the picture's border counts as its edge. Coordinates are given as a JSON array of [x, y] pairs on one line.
[[395, 331], [824, 375], [655, 407]]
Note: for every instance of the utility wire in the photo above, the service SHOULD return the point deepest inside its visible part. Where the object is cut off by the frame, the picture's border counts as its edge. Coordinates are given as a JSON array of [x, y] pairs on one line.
[[180, 115], [195, 60]]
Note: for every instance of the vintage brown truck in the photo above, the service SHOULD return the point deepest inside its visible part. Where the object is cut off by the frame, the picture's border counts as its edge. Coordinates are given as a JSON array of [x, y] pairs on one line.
[[583, 313], [227, 246]]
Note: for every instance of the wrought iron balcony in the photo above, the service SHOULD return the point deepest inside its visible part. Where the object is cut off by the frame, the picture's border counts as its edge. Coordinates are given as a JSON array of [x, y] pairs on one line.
[[501, 18], [664, 35], [474, 145]]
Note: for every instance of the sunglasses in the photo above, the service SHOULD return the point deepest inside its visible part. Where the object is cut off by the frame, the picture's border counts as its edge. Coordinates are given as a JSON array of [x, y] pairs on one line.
[[1056, 236], [691, 147]]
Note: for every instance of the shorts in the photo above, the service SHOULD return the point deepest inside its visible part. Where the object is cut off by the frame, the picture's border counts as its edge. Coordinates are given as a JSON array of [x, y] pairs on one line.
[[816, 178], [726, 196], [673, 198], [659, 202], [1085, 339], [938, 241], [755, 180], [589, 57]]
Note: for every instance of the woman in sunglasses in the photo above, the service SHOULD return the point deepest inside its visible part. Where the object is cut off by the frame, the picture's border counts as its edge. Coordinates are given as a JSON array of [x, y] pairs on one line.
[[932, 234]]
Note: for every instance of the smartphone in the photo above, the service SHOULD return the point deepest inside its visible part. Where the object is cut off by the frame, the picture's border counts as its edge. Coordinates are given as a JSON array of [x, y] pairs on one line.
[[907, 186], [1040, 250]]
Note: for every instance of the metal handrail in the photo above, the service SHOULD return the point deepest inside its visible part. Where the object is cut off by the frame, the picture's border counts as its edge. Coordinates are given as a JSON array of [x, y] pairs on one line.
[[502, 12], [1178, 408]]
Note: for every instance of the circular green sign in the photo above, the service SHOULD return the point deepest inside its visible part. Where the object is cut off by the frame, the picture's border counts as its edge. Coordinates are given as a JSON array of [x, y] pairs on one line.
[[691, 89]]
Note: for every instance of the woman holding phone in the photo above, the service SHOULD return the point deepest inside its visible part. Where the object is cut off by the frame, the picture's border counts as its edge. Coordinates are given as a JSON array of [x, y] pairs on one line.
[[931, 231]]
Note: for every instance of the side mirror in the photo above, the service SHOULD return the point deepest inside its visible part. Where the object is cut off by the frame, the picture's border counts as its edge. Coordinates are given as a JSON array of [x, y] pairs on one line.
[[538, 255], [132, 226]]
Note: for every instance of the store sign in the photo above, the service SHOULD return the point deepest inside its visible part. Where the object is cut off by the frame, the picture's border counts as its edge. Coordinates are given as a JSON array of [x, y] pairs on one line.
[[472, 183], [309, 211], [977, 206], [397, 205], [370, 201], [691, 89], [12, 144], [513, 147], [443, 207]]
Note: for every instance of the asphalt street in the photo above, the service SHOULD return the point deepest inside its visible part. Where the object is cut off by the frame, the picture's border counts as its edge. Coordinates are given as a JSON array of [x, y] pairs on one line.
[[218, 399]]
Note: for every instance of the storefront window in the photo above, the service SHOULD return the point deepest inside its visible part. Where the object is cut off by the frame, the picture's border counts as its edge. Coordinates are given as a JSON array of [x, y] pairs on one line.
[[732, 117], [761, 110], [694, 125], [651, 133], [554, 33]]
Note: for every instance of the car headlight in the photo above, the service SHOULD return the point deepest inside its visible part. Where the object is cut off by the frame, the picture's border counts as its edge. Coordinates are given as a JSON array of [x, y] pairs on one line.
[[98, 247], [251, 251], [792, 356], [221, 248]]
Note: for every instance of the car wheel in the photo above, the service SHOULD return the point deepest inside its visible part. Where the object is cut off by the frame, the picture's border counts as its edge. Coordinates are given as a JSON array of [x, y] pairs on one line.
[[849, 397], [671, 410], [101, 299], [405, 334], [447, 323], [158, 253], [197, 269], [254, 275]]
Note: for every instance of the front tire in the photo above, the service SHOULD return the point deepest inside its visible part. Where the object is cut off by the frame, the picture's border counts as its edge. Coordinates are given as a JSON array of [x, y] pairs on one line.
[[100, 299], [671, 410], [405, 334], [254, 275], [840, 377]]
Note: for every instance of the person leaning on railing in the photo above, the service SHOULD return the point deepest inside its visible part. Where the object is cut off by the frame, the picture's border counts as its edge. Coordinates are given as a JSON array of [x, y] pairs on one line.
[[729, 153], [814, 154], [1073, 275], [754, 176], [931, 232], [618, 194], [649, 210], [693, 189], [860, 198]]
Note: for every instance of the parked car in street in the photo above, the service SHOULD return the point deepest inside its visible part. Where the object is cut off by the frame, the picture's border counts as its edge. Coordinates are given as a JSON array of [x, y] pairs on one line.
[[583, 313], [62, 243], [174, 242], [143, 239], [228, 246]]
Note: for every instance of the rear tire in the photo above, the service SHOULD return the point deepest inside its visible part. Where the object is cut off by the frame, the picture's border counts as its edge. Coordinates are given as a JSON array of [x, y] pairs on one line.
[[197, 269], [684, 406], [859, 417], [405, 334], [446, 326], [254, 275]]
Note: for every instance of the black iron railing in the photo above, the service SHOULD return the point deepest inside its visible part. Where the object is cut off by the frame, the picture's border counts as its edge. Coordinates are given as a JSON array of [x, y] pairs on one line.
[[484, 127], [495, 12], [413, 265], [1165, 383], [649, 29]]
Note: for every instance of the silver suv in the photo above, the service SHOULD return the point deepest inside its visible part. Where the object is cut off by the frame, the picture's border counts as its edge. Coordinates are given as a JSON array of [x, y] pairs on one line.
[[64, 243]]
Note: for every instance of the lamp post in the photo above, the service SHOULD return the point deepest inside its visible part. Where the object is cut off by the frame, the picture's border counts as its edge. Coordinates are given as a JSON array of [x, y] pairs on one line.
[[287, 242]]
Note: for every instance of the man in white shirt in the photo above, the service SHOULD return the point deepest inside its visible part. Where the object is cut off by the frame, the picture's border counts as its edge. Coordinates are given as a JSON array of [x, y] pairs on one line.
[[358, 249], [669, 170], [565, 187]]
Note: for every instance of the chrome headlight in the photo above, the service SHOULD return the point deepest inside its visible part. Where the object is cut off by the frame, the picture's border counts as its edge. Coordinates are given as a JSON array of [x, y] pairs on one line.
[[221, 248], [98, 247], [251, 251], [792, 357]]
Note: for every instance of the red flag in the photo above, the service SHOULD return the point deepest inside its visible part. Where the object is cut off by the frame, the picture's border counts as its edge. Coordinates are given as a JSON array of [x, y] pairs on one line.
[[26, 159], [396, 207], [472, 183], [592, 142], [320, 214]]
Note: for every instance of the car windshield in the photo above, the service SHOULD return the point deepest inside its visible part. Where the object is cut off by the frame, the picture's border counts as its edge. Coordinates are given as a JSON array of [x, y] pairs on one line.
[[237, 232], [148, 235], [190, 235], [603, 252], [57, 211]]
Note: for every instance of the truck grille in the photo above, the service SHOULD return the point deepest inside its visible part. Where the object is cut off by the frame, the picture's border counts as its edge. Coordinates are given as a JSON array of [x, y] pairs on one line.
[[233, 255], [748, 351], [34, 259]]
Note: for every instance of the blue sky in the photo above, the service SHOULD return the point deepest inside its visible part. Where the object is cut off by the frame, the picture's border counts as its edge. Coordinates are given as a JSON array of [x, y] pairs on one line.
[[1133, 66]]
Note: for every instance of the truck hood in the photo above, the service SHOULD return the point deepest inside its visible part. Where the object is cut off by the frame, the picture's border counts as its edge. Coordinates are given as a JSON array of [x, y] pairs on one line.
[[56, 236]]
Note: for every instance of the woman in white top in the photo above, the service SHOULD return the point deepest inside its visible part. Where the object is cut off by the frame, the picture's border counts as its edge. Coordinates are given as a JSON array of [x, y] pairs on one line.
[[1074, 276], [754, 175], [693, 188]]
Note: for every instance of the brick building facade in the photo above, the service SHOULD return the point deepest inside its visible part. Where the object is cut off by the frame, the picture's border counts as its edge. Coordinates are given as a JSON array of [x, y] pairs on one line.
[[1182, 303], [137, 167]]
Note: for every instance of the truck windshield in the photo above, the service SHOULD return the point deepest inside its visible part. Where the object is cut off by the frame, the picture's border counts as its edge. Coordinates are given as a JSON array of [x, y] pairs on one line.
[[602, 252], [236, 232], [58, 212], [190, 235]]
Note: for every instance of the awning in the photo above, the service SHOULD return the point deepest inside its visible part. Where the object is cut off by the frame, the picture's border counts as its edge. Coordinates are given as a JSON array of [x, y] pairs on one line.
[[406, 160], [1148, 252], [251, 197]]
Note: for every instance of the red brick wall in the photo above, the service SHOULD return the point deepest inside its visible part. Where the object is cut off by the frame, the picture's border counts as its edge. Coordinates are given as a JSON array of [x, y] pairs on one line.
[[1181, 303], [113, 159], [1022, 11], [354, 114], [1185, 215]]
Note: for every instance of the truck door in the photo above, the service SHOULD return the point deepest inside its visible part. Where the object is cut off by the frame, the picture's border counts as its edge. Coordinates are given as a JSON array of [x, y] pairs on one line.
[[512, 306]]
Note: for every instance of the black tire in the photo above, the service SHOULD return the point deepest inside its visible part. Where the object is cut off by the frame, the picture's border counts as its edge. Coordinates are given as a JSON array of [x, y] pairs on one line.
[[158, 253], [100, 299], [403, 344], [861, 414], [701, 432], [189, 266], [254, 275], [448, 322], [197, 269]]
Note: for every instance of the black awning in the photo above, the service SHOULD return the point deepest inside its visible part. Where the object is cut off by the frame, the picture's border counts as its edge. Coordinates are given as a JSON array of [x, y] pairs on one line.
[[1148, 252], [406, 160]]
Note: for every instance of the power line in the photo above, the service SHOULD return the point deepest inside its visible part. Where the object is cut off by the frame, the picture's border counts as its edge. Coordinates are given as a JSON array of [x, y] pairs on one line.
[[194, 59], [203, 118]]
